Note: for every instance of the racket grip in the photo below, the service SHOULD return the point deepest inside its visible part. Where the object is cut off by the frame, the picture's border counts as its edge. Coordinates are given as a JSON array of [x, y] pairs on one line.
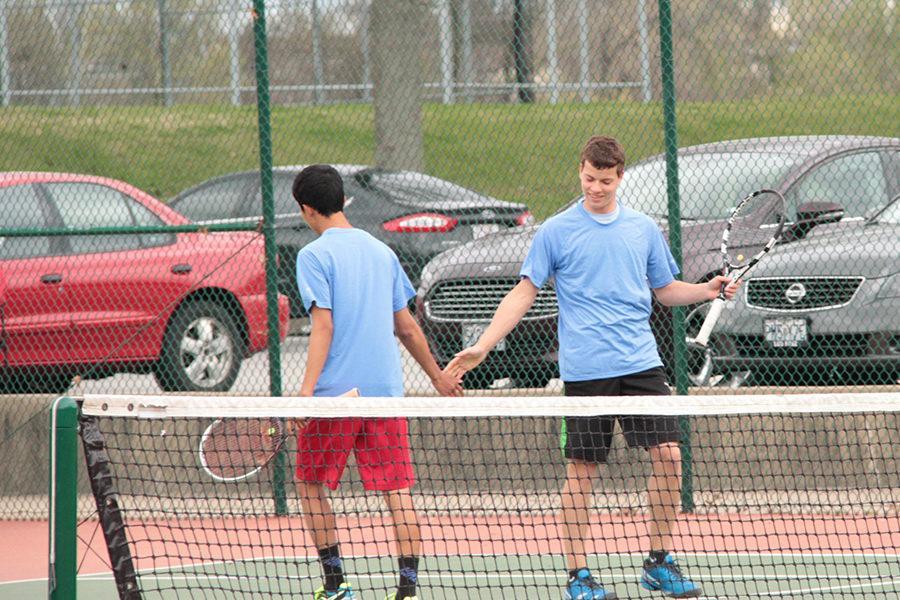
[[711, 317]]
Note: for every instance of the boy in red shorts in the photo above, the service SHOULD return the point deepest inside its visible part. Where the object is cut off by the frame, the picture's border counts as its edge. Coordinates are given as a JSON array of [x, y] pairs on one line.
[[356, 293]]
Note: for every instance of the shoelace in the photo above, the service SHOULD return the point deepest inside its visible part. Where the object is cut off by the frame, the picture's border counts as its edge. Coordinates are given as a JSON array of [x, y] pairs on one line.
[[591, 582], [673, 568]]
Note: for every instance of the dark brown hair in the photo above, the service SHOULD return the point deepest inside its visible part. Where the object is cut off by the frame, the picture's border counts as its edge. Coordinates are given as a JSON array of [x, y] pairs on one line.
[[604, 153]]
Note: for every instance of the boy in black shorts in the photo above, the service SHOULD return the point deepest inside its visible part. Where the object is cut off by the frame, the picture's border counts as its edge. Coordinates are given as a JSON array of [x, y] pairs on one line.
[[606, 260]]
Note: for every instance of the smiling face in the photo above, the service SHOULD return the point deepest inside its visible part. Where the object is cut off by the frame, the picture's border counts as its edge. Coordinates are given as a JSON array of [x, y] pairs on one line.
[[599, 187]]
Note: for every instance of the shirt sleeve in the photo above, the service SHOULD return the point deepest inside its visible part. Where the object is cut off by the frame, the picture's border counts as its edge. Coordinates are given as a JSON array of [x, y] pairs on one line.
[[540, 262], [403, 288], [661, 265], [313, 282]]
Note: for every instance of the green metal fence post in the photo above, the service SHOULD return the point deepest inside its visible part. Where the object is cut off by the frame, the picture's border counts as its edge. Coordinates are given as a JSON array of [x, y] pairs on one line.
[[63, 499], [268, 209], [667, 60]]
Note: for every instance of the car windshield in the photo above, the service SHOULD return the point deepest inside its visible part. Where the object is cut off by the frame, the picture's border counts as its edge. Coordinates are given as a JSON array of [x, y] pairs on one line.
[[710, 184], [406, 187]]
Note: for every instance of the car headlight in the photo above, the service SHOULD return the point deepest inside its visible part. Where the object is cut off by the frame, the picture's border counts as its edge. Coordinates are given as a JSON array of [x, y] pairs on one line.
[[890, 288], [426, 279]]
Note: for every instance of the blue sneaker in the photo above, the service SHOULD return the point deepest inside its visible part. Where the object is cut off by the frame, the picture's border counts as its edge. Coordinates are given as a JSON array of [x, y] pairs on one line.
[[668, 579], [344, 592], [585, 587]]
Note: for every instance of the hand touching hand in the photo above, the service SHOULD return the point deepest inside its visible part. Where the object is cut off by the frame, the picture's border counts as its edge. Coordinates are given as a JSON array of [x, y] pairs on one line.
[[447, 384], [465, 361]]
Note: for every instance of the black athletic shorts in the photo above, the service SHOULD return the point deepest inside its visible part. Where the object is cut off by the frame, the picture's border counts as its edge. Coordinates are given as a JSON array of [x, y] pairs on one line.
[[589, 438]]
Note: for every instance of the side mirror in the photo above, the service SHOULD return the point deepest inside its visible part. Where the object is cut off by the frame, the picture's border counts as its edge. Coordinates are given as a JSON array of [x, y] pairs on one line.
[[810, 215]]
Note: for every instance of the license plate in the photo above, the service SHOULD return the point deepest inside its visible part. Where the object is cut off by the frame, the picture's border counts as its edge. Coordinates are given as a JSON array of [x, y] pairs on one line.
[[785, 333], [472, 331], [484, 229]]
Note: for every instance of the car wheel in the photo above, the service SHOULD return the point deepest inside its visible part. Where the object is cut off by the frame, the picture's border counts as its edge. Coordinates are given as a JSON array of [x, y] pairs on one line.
[[701, 364], [535, 379], [201, 350], [34, 380], [478, 379]]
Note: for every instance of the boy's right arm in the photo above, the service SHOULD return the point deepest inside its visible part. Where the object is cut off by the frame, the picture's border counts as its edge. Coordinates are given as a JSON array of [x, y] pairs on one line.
[[320, 337], [509, 313], [410, 335]]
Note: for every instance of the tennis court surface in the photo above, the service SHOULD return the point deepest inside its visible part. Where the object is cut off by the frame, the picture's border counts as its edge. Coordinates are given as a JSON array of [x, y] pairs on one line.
[[784, 497]]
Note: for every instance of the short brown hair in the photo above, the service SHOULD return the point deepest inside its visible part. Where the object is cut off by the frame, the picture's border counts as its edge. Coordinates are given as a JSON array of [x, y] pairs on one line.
[[604, 153]]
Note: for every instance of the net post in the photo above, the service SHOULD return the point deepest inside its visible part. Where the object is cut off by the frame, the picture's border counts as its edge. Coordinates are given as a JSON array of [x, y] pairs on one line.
[[263, 108], [63, 478], [667, 68], [105, 493]]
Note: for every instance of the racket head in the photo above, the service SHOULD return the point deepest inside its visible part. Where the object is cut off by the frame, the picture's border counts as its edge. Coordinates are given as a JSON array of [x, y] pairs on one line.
[[235, 449], [755, 226]]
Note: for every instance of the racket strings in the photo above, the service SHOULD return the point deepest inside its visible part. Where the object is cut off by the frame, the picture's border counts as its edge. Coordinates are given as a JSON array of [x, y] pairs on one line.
[[235, 446], [754, 223]]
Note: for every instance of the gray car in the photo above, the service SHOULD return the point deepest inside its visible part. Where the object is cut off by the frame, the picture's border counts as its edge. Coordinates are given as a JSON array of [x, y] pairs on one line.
[[416, 215], [825, 309], [462, 287]]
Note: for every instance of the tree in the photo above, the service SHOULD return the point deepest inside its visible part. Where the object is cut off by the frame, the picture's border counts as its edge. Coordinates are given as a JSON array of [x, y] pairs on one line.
[[36, 56], [397, 80], [521, 49]]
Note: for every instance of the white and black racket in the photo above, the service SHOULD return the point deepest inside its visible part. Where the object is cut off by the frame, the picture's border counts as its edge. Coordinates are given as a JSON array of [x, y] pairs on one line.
[[755, 226], [235, 449]]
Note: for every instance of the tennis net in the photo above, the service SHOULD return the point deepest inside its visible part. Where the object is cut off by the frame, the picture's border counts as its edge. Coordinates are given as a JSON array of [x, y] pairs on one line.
[[782, 497]]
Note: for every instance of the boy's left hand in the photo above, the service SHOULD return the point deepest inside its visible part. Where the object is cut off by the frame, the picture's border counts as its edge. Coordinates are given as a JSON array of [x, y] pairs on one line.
[[295, 426], [447, 384]]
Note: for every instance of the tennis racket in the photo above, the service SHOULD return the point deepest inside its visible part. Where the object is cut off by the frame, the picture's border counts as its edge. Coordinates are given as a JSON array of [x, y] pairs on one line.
[[757, 222], [236, 449]]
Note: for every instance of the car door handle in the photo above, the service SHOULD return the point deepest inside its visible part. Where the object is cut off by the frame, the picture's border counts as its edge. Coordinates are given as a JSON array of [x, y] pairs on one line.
[[51, 278], [182, 269]]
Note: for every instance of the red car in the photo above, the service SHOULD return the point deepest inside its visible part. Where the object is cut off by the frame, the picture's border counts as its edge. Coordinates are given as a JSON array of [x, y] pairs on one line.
[[188, 306]]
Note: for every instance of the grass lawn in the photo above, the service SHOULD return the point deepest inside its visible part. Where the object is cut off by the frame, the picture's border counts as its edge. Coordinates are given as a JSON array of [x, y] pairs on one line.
[[525, 153]]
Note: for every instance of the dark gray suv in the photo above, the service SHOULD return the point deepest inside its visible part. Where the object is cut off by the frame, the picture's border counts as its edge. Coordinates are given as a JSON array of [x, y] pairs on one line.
[[823, 310], [461, 288], [417, 215]]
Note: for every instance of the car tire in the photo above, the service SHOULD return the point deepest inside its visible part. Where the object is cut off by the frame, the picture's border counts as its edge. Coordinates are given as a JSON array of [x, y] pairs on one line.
[[479, 379], [34, 380], [534, 379], [201, 351], [700, 365]]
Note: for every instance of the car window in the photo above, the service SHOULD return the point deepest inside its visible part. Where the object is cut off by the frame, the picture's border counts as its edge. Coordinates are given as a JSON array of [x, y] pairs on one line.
[[417, 189], [20, 208], [282, 189], [144, 217], [223, 199], [893, 171], [855, 181], [709, 184], [83, 205]]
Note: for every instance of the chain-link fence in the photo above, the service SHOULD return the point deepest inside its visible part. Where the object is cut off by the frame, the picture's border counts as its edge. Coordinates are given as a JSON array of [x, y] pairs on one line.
[[133, 135]]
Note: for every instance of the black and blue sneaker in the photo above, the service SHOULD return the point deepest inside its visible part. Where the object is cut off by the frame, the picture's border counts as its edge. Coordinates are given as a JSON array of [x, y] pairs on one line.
[[668, 579], [584, 587], [344, 592]]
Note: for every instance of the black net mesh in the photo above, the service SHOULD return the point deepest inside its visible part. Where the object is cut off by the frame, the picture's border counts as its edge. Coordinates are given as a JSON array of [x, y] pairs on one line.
[[783, 504]]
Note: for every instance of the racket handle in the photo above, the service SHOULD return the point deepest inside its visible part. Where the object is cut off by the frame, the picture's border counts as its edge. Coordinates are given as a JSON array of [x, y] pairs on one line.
[[711, 317]]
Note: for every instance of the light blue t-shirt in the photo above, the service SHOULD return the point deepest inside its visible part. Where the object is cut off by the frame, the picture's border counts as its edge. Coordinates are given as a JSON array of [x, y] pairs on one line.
[[361, 281], [604, 274]]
